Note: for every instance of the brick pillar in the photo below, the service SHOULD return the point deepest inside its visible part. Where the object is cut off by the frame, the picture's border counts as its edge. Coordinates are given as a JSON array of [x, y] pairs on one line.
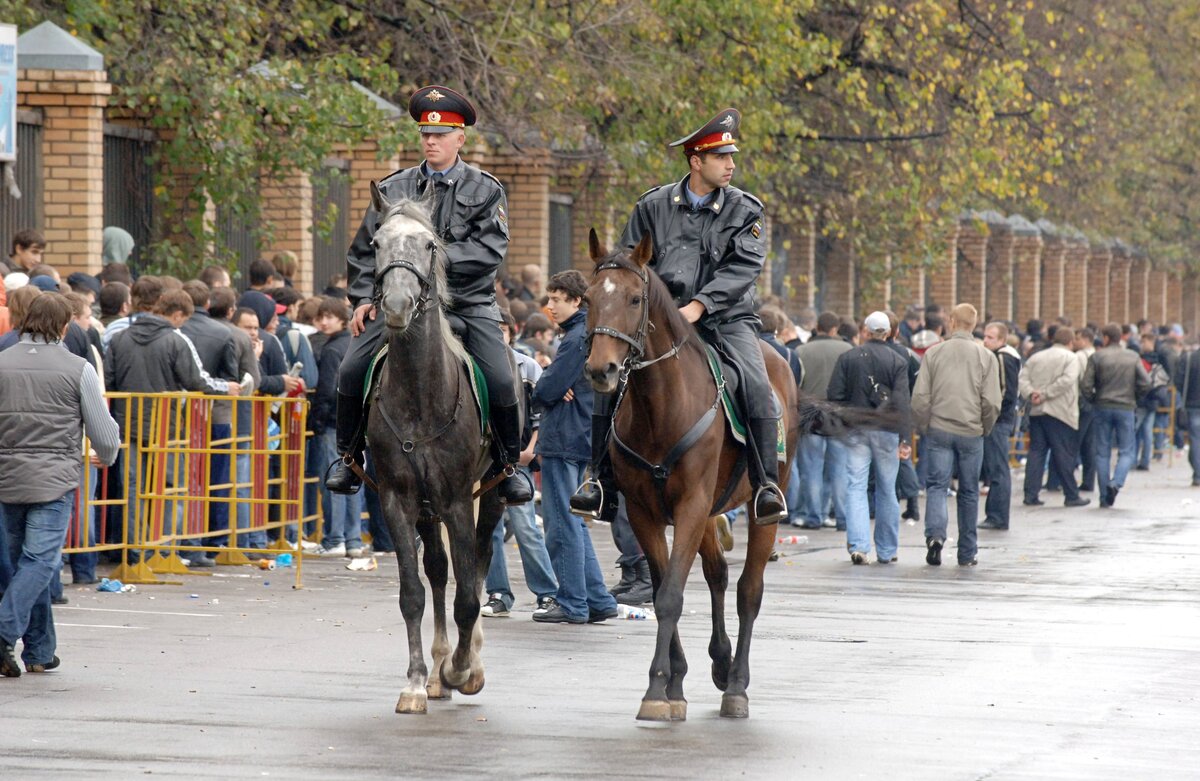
[[1098, 280], [1026, 270], [1156, 292], [1174, 295], [801, 270], [1075, 282], [998, 274], [287, 218], [875, 288], [942, 282], [840, 282], [1139, 298], [908, 285], [1053, 261], [1118, 291], [1188, 308], [72, 104], [972, 267], [367, 164], [526, 180]]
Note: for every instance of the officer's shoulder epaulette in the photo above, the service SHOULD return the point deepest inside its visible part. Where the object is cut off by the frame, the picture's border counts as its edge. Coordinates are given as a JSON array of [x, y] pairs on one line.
[[490, 176], [651, 191], [394, 175], [751, 202]]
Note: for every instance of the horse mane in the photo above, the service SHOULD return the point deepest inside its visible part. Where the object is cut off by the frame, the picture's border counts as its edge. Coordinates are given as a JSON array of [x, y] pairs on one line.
[[418, 212], [660, 299]]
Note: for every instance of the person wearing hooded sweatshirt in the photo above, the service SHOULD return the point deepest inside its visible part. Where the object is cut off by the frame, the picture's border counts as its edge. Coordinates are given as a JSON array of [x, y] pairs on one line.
[[153, 356], [272, 363], [117, 245]]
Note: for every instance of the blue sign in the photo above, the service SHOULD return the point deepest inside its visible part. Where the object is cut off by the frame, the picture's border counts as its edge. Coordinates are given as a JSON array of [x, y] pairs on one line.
[[8, 92]]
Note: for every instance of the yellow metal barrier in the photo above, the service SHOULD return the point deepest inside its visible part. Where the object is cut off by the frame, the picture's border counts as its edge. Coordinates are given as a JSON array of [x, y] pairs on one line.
[[172, 476]]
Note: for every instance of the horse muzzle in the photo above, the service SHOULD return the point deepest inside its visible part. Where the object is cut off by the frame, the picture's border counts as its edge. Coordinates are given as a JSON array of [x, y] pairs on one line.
[[604, 378]]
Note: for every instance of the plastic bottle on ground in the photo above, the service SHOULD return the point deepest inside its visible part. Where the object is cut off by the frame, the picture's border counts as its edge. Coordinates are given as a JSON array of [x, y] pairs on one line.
[[631, 613]]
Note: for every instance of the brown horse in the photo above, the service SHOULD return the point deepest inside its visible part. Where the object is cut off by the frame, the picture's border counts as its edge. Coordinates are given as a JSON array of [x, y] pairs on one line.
[[639, 336]]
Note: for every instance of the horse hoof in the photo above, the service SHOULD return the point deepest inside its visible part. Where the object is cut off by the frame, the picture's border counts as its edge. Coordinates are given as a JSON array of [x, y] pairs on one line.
[[735, 706], [654, 710], [474, 684], [720, 678], [411, 702], [436, 690], [446, 673], [678, 710]]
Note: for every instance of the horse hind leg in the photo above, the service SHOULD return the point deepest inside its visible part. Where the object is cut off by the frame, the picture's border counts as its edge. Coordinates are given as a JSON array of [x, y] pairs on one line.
[[455, 669], [412, 606], [735, 703], [716, 574], [490, 510], [436, 570]]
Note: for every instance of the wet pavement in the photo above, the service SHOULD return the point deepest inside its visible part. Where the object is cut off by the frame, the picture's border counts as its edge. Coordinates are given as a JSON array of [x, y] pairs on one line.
[[1071, 651]]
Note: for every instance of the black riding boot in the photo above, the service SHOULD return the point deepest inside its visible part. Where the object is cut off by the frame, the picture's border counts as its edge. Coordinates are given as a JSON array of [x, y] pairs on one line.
[[597, 497], [506, 436], [641, 590], [769, 505], [339, 478]]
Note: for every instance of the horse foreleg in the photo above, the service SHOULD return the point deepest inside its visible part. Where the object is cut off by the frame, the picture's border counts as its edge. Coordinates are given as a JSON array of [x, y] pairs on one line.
[[735, 703], [716, 574], [436, 570], [412, 607], [456, 669], [490, 509]]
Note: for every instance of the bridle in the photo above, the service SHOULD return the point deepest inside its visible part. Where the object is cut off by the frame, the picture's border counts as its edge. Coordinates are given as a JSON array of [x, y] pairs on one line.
[[424, 280], [637, 342]]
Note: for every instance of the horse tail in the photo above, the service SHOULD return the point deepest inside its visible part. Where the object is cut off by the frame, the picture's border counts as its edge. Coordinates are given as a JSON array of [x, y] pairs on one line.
[[830, 419]]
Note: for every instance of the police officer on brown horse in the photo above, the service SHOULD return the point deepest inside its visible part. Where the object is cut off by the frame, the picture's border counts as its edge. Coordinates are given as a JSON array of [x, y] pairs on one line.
[[469, 215], [709, 250]]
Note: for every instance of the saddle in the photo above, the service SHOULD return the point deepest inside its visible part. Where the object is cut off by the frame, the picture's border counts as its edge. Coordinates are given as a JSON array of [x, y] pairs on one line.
[[727, 374], [479, 391]]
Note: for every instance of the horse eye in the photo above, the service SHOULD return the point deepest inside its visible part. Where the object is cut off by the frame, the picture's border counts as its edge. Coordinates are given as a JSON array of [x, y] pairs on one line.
[[635, 300]]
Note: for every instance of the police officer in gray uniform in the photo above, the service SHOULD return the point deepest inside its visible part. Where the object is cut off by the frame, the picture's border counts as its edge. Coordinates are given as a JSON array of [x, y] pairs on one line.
[[470, 216], [709, 250]]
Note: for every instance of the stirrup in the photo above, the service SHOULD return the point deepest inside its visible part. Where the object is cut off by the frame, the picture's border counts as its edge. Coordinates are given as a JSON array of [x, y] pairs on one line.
[[587, 511], [776, 517]]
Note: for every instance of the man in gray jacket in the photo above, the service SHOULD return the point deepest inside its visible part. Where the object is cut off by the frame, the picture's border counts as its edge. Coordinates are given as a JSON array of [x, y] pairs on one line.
[[956, 401], [46, 396], [1050, 383], [1114, 382], [821, 460]]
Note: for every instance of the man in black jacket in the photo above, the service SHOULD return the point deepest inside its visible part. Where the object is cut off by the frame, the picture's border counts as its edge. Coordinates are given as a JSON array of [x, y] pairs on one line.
[[470, 216], [709, 250], [997, 472], [870, 376]]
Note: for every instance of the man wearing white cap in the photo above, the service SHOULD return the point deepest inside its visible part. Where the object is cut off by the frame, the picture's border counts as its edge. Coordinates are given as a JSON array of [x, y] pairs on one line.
[[871, 376]]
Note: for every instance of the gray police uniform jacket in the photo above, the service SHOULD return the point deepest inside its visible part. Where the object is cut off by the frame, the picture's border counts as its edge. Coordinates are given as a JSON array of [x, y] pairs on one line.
[[473, 222], [713, 255]]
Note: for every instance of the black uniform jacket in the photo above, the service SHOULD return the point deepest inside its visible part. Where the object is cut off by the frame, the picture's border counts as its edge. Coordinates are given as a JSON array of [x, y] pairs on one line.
[[712, 255], [473, 222]]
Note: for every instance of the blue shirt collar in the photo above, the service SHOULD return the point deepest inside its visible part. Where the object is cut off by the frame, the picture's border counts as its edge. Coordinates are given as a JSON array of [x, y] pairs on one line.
[[449, 176]]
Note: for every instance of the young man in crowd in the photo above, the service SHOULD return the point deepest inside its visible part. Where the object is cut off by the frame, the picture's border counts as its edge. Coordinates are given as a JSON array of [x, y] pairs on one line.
[[564, 444], [1050, 384], [821, 460], [997, 472], [1113, 382], [28, 247]]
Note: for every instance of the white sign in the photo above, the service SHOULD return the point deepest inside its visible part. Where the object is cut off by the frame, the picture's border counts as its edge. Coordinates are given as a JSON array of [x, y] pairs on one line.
[[8, 92]]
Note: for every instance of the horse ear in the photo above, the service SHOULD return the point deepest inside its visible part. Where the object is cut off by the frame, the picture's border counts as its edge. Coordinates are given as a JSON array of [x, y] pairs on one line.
[[379, 201], [643, 251], [594, 249]]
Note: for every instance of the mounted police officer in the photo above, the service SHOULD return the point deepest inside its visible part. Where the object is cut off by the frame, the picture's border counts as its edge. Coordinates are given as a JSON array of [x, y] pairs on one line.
[[469, 214], [709, 250]]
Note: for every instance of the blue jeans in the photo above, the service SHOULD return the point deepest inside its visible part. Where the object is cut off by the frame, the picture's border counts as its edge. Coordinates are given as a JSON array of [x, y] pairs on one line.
[[1113, 427], [823, 474], [998, 474], [1143, 424], [539, 572], [219, 474], [952, 455], [581, 586], [343, 512], [35, 533], [83, 565], [254, 539], [864, 452], [381, 537], [1192, 421]]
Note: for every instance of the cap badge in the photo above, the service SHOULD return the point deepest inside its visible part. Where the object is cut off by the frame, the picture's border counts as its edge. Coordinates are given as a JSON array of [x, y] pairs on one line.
[[727, 136], [727, 121], [435, 96], [435, 116]]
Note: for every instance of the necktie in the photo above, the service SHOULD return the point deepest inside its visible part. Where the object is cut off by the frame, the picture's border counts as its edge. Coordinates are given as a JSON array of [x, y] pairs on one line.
[[439, 195]]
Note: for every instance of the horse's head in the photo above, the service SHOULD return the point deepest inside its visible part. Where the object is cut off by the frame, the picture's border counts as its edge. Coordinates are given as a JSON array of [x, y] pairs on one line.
[[618, 311], [408, 272]]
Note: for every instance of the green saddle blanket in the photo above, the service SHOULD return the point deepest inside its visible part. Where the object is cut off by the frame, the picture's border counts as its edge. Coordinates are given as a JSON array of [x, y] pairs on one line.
[[479, 389], [737, 427]]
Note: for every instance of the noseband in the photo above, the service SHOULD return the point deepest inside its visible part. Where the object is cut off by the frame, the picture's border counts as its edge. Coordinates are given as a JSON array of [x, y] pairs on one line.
[[637, 342], [424, 280]]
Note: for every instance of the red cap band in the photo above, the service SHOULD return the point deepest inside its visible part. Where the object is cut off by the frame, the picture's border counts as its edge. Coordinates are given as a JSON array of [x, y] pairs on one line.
[[442, 119], [712, 140]]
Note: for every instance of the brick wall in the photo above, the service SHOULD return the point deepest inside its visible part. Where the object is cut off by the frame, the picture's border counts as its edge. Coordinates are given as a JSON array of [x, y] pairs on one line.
[[1027, 277], [1052, 287], [972, 267], [942, 284], [72, 107], [1156, 292], [1188, 308], [1076, 260], [1118, 291], [998, 274], [286, 210], [875, 291], [1174, 295], [1098, 280], [839, 293], [1139, 300], [801, 268]]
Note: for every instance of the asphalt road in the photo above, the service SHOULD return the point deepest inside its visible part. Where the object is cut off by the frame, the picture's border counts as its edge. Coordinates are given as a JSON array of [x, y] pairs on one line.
[[1071, 651]]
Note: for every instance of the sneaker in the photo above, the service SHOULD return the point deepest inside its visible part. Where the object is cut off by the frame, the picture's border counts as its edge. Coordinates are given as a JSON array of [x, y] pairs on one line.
[[544, 604], [556, 615], [600, 616], [933, 556], [359, 553], [44, 667], [968, 563], [309, 547], [892, 560], [8, 661], [198, 561], [858, 557], [494, 607], [336, 550]]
